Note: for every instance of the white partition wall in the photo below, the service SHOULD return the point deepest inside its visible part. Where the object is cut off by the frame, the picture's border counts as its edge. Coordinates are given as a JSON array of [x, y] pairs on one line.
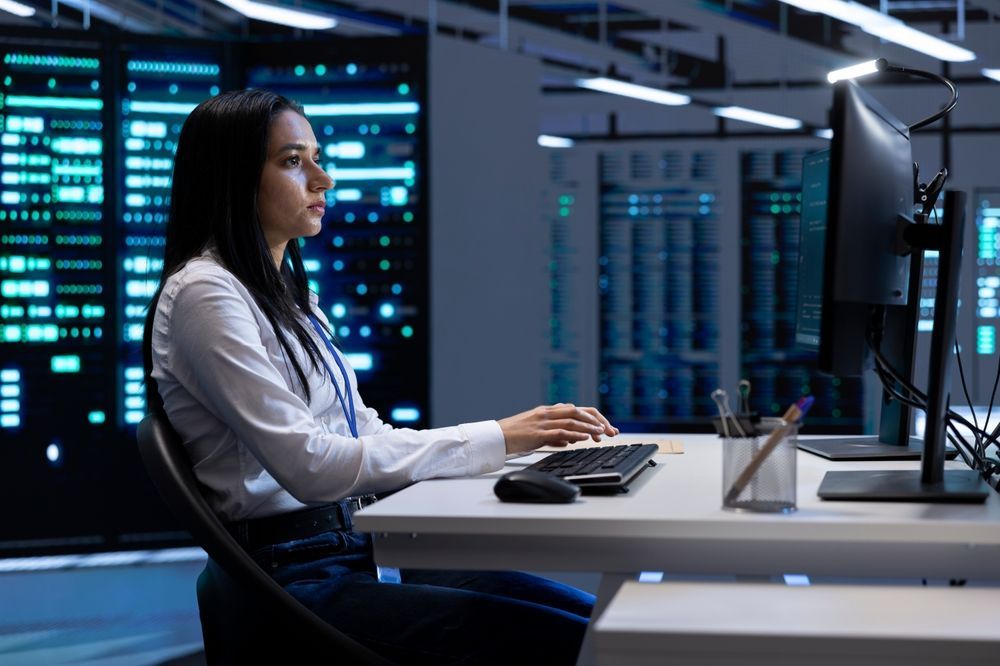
[[488, 280]]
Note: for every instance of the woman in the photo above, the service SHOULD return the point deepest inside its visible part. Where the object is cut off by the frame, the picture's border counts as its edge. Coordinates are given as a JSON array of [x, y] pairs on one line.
[[269, 411]]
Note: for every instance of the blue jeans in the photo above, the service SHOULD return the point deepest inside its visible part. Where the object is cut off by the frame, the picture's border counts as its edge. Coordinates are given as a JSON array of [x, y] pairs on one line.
[[432, 617]]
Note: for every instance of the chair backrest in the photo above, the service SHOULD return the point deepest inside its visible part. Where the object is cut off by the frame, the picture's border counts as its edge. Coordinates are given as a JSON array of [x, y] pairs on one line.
[[168, 465]]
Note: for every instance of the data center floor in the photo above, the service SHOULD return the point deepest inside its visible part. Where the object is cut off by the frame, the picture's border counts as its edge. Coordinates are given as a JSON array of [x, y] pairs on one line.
[[140, 613]]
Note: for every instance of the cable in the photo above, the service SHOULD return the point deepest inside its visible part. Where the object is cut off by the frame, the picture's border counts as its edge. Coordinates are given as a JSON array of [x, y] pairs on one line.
[[974, 456], [993, 394], [883, 66], [965, 387]]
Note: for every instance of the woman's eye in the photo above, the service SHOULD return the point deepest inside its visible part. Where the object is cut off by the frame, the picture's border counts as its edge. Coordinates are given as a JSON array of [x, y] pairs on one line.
[[293, 160]]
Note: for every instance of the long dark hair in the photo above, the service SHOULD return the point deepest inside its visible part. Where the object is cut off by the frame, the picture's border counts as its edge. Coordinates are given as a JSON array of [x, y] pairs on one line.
[[213, 201]]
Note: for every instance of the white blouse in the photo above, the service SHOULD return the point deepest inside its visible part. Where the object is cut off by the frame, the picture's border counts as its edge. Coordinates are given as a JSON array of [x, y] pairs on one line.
[[254, 441]]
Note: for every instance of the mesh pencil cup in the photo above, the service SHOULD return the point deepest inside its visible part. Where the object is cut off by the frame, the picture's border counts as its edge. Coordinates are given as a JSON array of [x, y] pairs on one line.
[[770, 486]]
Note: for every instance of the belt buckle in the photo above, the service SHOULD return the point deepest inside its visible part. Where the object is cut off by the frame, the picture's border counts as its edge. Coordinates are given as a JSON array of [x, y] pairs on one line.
[[359, 502]]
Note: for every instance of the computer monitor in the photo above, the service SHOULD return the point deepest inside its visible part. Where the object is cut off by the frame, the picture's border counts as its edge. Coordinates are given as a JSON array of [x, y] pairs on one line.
[[861, 200], [872, 185], [863, 290]]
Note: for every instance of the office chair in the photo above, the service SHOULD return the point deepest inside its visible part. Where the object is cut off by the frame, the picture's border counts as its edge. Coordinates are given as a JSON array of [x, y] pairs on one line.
[[246, 617]]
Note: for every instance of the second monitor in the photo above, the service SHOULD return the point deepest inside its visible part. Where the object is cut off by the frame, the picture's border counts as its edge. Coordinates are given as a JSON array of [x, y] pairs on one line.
[[852, 196]]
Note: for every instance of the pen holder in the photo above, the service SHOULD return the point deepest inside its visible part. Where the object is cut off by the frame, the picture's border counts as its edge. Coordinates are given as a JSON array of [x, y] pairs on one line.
[[758, 473]]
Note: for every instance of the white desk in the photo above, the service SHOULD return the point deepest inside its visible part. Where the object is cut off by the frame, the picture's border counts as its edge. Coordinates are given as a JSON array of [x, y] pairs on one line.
[[672, 521], [684, 624]]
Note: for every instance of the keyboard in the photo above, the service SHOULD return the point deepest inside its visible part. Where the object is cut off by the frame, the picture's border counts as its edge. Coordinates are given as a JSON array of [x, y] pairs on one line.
[[599, 468]]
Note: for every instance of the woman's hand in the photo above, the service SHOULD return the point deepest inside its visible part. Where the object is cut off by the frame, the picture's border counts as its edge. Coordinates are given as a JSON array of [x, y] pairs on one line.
[[554, 425]]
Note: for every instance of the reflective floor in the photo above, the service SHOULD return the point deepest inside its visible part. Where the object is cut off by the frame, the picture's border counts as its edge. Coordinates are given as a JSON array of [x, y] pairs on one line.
[[120, 610]]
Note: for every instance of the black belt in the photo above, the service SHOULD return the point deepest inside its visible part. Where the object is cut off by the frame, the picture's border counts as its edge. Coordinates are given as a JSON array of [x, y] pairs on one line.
[[253, 533]]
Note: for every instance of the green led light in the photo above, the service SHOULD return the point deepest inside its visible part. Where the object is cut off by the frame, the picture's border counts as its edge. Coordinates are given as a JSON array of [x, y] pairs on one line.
[[403, 89], [986, 340], [69, 363], [77, 145], [36, 60], [75, 103], [52, 83], [384, 241], [96, 417], [300, 70], [407, 216], [407, 331], [320, 70], [188, 68], [410, 128], [564, 212], [384, 264], [775, 258]]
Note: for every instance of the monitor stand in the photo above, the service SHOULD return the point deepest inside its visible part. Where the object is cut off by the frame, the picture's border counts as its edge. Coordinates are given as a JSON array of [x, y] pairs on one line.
[[963, 486], [861, 448], [932, 483], [898, 345], [867, 448]]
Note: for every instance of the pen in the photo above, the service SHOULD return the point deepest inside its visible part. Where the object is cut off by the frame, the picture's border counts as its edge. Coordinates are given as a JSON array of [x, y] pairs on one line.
[[791, 417], [744, 390]]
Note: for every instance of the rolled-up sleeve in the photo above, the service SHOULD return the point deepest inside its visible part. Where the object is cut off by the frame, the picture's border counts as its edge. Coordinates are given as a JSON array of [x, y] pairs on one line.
[[216, 351]]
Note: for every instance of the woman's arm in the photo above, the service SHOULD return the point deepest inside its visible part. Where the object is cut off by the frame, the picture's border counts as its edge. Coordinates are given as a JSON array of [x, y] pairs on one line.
[[216, 352]]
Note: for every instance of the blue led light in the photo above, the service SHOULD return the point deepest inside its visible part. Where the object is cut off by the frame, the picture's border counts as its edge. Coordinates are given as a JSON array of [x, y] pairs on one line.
[[74, 103], [386, 310], [53, 452], [361, 362], [362, 109], [170, 108], [339, 310], [405, 414], [374, 173]]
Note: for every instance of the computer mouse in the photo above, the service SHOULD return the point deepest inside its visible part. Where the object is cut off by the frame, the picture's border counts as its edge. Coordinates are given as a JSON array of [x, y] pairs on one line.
[[528, 485]]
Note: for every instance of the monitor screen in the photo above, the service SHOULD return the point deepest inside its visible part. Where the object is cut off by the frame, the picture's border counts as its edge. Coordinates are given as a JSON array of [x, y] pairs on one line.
[[870, 191], [812, 237]]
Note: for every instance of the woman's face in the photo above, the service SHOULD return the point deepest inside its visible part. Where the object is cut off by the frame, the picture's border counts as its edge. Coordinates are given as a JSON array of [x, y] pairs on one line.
[[292, 185]]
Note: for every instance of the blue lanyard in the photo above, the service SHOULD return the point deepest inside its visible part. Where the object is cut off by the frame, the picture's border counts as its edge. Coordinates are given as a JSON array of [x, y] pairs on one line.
[[348, 407]]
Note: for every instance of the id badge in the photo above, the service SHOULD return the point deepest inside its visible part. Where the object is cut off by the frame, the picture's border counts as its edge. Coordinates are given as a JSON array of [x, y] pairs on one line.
[[388, 574]]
